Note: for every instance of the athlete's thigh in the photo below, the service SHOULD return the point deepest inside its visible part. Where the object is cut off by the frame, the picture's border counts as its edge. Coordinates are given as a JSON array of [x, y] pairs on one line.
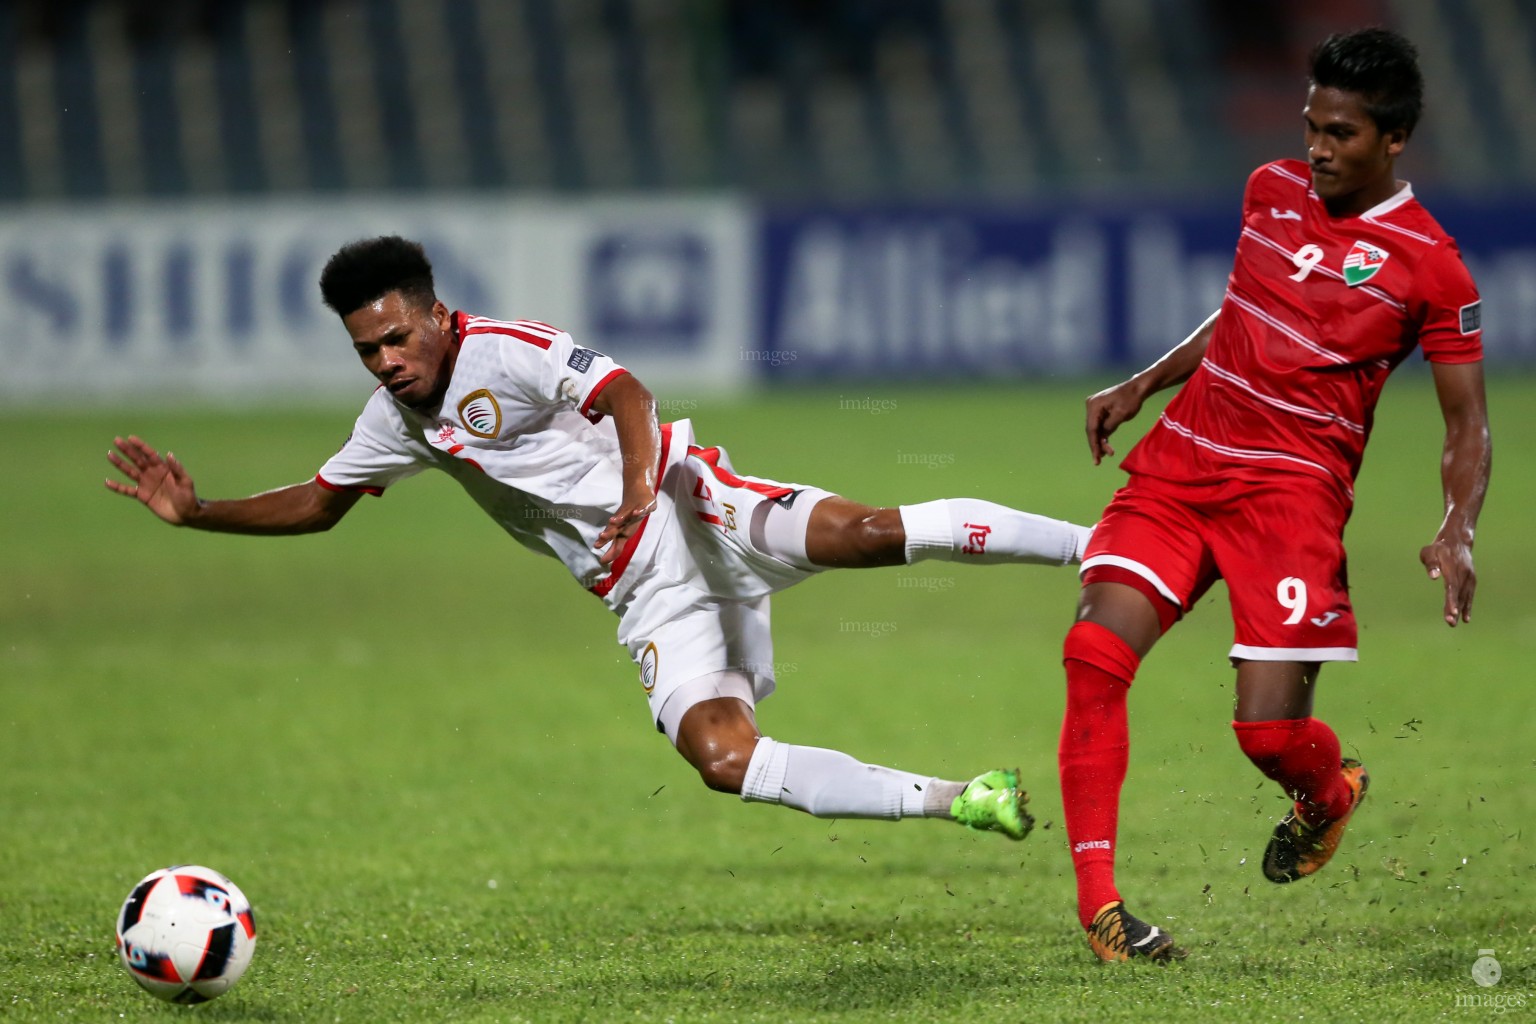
[[738, 552], [677, 635], [1156, 536], [1281, 550]]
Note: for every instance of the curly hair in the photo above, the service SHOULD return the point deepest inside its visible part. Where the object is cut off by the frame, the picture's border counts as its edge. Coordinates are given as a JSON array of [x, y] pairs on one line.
[[370, 268]]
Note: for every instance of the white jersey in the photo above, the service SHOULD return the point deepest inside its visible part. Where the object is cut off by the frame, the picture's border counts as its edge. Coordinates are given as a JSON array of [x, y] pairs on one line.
[[517, 431]]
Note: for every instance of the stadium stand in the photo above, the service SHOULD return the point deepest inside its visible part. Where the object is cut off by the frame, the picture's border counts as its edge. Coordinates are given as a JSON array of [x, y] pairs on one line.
[[779, 98]]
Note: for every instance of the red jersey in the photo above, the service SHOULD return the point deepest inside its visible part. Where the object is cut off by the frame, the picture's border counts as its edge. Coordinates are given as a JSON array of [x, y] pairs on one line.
[[1318, 311]]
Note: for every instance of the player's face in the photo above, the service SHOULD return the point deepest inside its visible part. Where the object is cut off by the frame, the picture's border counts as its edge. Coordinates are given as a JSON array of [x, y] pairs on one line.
[[1351, 158], [408, 346]]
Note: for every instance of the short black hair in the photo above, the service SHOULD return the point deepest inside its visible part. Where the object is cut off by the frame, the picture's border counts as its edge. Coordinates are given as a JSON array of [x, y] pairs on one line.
[[1381, 66], [371, 268]]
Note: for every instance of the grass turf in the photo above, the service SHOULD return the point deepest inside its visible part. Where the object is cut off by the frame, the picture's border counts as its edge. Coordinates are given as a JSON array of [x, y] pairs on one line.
[[418, 750]]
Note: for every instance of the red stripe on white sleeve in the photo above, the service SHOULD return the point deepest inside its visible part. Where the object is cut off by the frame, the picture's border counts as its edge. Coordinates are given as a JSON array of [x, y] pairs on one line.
[[488, 321], [532, 339], [592, 397], [342, 489], [516, 323], [539, 327]]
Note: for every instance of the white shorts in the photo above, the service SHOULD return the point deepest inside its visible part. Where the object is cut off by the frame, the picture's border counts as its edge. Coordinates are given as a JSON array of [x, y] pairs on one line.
[[701, 607]]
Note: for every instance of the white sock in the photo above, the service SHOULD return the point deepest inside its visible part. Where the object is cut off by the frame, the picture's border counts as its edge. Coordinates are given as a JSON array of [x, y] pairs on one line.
[[830, 784], [972, 530]]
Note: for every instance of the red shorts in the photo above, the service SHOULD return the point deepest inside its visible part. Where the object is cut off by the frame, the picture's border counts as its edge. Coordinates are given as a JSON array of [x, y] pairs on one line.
[[1278, 544]]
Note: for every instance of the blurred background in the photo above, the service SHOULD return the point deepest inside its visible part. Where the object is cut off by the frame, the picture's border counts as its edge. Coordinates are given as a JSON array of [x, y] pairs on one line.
[[725, 192], [776, 98]]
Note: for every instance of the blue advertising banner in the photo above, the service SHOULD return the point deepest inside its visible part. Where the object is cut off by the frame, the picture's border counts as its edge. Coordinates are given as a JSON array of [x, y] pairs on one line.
[[972, 292], [218, 300]]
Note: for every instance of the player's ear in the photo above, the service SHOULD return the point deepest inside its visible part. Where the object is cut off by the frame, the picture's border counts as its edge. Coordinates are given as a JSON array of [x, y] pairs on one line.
[[1396, 139], [442, 315]]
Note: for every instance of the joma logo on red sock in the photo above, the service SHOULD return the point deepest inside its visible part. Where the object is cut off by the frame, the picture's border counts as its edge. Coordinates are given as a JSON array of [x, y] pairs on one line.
[[1091, 844], [976, 543]]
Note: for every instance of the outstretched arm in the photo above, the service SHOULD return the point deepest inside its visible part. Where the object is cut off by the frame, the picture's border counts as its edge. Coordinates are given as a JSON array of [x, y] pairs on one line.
[[1113, 406], [162, 485], [1465, 464], [633, 409]]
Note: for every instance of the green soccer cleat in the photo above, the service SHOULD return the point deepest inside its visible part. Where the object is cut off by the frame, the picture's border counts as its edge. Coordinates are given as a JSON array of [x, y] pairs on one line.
[[1298, 849], [1116, 935], [993, 802]]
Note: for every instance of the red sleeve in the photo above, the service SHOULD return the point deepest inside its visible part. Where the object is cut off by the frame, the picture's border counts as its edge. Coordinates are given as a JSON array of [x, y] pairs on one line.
[[1448, 309]]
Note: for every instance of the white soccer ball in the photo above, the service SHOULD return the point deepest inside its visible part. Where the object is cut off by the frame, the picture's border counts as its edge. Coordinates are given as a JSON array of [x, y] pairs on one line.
[[186, 934]]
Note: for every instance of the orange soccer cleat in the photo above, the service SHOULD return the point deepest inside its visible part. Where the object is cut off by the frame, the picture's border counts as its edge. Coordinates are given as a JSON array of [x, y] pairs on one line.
[[1116, 935], [1298, 849]]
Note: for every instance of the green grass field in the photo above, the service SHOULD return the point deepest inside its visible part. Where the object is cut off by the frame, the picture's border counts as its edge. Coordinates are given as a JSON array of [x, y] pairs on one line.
[[419, 751]]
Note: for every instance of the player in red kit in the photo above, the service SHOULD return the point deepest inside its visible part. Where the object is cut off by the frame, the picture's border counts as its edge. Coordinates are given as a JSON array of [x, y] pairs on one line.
[[1248, 474]]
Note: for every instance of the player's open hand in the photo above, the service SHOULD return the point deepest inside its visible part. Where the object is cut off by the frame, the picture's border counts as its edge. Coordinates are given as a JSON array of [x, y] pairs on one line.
[[623, 524], [1106, 411], [160, 483], [1452, 561]]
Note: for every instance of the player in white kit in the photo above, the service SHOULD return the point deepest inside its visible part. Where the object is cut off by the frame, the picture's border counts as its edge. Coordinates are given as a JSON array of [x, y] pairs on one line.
[[561, 446]]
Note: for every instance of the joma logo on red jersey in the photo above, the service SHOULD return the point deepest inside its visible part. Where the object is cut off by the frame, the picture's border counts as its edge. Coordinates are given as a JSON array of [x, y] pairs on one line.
[[976, 540]]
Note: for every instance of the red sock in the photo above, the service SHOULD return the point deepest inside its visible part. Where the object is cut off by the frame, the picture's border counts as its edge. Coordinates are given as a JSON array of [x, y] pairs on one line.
[[1094, 751], [1302, 754]]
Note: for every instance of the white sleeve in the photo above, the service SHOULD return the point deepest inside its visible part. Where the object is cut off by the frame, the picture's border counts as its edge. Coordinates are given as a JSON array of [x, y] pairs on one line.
[[376, 454], [564, 373]]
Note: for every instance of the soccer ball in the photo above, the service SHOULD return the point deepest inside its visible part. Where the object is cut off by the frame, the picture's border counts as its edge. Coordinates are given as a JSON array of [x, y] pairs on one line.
[[186, 934]]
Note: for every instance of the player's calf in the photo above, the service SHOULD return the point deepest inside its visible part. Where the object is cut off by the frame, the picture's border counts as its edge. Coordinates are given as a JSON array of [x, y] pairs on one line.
[[832, 784], [972, 530], [843, 534]]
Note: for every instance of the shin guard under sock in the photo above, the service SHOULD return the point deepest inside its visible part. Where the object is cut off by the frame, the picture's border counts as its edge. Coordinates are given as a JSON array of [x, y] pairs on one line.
[[1302, 754], [1092, 757]]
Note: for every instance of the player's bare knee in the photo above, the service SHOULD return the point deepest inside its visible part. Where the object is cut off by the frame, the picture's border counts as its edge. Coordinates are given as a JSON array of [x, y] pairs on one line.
[[718, 737], [845, 534], [875, 537], [722, 763]]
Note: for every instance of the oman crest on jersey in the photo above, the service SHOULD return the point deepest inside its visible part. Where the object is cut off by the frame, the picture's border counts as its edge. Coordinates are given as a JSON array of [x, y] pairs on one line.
[[1362, 262], [480, 413]]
